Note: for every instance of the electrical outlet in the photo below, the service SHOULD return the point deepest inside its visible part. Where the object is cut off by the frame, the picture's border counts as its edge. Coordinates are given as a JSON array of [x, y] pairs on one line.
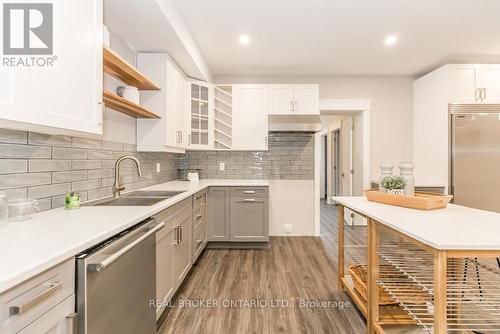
[[222, 166], [288, 228], [158, 167]]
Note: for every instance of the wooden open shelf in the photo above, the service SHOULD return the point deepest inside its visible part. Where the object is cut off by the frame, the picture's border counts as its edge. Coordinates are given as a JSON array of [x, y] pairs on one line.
[[120, 104], [117, 67]]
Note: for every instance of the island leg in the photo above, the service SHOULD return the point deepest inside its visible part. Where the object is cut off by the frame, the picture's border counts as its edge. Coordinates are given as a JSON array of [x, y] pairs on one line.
[[341, 247], [440, 293], [373, 276]]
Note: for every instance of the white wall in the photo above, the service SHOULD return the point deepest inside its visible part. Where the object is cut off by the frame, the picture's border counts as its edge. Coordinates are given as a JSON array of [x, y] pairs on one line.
[[291, 202], [117, 126], [391, 114]]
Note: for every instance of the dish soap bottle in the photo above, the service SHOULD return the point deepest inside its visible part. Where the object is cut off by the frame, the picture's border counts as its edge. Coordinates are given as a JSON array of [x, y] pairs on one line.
[[406, 172], [386, 169]]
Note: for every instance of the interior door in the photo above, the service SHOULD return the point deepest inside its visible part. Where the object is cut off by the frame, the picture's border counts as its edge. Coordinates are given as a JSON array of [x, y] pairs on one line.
[[490, 80], [476, 160], [346, 156], [464, 82], [281, 99], [69, 95], [306, 99], [250, 117], [336, 163]]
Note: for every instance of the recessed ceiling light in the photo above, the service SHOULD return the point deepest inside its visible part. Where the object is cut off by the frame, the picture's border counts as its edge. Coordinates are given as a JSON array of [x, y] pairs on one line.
[[244, 40], [391, 40]]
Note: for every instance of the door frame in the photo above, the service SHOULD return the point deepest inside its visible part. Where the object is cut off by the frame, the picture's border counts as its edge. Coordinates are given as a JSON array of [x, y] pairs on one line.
[[341, 107]]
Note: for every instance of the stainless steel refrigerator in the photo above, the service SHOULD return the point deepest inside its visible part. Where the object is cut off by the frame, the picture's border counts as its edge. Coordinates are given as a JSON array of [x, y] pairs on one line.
[[475, 156]]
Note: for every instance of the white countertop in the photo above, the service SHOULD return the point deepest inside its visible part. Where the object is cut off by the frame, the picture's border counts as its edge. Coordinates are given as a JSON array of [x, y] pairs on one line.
[[452, 228], [30, 247]]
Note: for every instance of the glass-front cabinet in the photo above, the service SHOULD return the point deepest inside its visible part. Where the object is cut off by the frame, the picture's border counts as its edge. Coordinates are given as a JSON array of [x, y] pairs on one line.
[[201, 116]]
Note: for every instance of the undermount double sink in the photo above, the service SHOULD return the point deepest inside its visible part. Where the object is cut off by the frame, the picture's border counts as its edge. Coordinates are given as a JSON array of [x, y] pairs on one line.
[[137, 198]]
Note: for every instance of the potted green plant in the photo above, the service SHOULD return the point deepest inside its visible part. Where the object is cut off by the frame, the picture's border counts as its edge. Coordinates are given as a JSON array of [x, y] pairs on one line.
[[394, 185]]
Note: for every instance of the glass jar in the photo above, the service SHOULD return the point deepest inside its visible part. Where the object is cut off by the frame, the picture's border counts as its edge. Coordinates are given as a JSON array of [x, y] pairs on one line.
[[22, 209], [3, 209]]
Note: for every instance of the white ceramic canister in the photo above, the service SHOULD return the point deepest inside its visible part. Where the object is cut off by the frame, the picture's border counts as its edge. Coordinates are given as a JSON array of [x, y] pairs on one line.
[[130, 93], [406, 172], [386, 169]]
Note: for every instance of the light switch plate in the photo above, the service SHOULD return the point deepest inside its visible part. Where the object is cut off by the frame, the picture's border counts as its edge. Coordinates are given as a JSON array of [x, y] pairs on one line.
[[158, 167], [288, 228], [222, 166]]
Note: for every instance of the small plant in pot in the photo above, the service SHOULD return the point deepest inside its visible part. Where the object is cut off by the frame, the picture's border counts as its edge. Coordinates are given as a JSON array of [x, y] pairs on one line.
[[394, 185]]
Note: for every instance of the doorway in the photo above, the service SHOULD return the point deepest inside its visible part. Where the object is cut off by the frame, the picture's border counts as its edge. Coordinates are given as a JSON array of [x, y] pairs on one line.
[[345, 124]]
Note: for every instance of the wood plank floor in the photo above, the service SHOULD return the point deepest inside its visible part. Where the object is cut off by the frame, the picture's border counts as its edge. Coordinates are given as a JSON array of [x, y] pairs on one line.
[[294, 269]]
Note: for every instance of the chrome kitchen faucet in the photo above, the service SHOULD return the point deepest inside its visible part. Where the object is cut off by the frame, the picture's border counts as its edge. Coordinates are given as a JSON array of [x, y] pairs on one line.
[[117, 187]]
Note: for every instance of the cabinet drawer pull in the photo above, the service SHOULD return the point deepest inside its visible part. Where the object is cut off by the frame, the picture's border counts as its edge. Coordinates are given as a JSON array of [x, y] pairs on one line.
[[483, 94], [249, 200], [177, 230], [53, 287], [249, 192], [198, 197], [198, 217], [477, 94], [181, 233]]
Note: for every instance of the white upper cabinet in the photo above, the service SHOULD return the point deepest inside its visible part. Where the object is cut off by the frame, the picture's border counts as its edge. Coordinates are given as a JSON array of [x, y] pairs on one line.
[[13, 94], [490, 83], [67, 97], [201, 116], [168, 133], [294, 99], [250, 113], [281, 100], [306, 99], [464, 83], [472, 83]]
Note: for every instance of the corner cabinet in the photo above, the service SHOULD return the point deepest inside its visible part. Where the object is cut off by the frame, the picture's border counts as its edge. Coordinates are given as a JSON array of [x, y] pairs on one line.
[[43, 99], [201, 116], [169, 132]]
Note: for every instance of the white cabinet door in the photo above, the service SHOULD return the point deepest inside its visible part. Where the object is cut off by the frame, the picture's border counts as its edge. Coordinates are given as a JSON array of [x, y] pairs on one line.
[[306, 99], [490, 82], [69, 96], [59, 320], [171, 104], [281, 99], [464, 83], [181, 110], [13, 94], [250, 113]]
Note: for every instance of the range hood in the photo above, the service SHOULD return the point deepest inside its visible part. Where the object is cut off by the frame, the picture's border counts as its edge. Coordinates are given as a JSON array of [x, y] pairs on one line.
[[301, 123]]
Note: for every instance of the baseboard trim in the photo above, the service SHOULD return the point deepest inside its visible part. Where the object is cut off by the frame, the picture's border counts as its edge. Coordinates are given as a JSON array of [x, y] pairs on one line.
[[238, 245]]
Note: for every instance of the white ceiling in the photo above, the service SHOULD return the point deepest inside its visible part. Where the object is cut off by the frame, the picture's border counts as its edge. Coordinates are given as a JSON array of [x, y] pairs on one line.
[[321, 37]]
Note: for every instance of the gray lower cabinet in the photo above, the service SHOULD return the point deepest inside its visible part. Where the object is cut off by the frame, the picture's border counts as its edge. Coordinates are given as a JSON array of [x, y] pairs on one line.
[[182, 248], [219, 213], [249, 219], [238, 214], [173, 251], [199, 239]]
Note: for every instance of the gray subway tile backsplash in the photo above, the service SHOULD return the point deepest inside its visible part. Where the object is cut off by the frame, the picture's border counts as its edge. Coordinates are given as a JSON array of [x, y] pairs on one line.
[[290, 157], [46, 167]]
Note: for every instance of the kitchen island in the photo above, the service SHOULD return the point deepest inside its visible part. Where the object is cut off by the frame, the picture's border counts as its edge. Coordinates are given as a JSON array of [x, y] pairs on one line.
[[433, 265]]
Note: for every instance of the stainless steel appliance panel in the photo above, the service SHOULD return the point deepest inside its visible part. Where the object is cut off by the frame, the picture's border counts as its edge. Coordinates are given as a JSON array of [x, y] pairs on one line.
[[116, 283], [475, 160]]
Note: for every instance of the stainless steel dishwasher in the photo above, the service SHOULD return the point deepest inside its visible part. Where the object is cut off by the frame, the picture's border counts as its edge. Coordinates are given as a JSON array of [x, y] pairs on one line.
[[116, 282]]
